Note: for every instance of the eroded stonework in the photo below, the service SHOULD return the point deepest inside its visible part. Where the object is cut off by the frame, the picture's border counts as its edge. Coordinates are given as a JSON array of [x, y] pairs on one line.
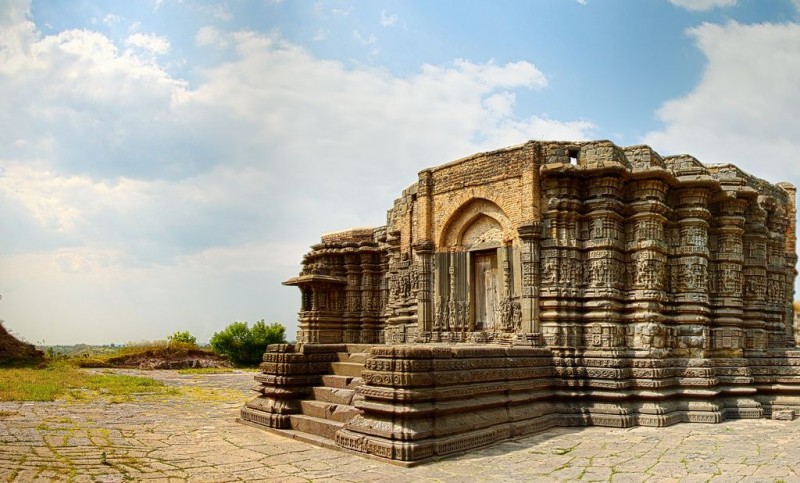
[[545, 284]]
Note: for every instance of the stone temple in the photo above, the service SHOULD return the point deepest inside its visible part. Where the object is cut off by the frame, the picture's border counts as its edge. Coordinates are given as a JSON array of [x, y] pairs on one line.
[[541, 285]]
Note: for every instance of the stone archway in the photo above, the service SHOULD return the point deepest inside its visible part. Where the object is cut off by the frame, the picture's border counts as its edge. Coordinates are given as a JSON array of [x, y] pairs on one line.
[[473, 219], [473, 280]]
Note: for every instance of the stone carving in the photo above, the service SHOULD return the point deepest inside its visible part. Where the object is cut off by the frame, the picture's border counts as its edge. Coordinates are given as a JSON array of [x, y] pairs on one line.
[[507, 282]]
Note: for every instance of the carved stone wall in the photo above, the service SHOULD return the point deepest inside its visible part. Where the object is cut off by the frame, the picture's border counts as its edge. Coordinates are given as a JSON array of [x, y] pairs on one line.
[[559, 283]]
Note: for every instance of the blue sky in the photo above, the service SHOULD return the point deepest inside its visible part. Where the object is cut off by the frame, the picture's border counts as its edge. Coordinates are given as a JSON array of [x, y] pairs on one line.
[[165, 164]]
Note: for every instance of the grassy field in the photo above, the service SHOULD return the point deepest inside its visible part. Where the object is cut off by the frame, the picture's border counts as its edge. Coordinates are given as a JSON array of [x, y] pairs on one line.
[[65, 381]]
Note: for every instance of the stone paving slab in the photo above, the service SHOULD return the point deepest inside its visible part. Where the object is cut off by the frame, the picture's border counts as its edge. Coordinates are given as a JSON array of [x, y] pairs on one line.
[[192, 436]]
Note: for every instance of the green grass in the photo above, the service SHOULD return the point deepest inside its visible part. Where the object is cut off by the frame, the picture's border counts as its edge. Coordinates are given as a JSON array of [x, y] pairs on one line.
[[60, 380]]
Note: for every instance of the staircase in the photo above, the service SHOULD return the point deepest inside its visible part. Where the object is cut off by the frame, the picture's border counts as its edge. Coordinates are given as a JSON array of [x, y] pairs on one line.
[[331, 405]]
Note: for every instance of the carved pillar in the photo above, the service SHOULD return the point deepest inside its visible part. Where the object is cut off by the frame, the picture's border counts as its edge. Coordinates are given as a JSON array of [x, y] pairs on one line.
[[371, 272], [755, 278], [562, 267], [790, 261], [606, 264], [776, 277], [353, 302], [727, 279], [530, 263], [424, 303], [690, 273], [647, 268]]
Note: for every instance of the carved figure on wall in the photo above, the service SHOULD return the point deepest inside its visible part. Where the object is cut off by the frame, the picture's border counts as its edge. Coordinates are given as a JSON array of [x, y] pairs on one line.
[[415, 278], [463, 315], [731, 281], [394, 288], [405, 285], [452, 314], [695, 278], [549, 271]]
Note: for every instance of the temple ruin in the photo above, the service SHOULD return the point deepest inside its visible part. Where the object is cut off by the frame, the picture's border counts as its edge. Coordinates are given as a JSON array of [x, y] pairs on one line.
[[545, 284]]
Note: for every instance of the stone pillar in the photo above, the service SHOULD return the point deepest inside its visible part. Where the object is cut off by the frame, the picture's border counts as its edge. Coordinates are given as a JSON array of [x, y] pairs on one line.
[[776, 276], [424, 253], [353, 302], [728, 336], [647, 268], [690, 272], [755, 278], [790, 261], [562, 264], [605, 262], [370, 295], [530, 264]]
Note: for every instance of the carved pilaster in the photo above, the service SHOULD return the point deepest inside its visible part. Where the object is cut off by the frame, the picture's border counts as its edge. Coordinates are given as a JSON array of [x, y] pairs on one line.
[[646, 292], [561, 260], [690, 270], [606, 264], [530, 235], [755, 278], [728, 335], [776, 274], [425, 309]]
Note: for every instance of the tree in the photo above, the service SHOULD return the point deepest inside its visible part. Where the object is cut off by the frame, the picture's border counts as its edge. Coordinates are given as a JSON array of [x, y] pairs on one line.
[[182, 338], [245, 345]]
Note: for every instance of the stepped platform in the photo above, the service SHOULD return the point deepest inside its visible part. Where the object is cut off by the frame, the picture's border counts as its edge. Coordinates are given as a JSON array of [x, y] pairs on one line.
[[309, 397]]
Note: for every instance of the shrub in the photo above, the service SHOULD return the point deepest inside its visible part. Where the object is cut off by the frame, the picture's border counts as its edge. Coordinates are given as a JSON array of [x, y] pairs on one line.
[[246, 345], [182, 338]]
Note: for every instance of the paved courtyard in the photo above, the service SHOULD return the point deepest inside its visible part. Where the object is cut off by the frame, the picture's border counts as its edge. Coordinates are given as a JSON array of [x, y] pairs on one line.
[[191, 435]]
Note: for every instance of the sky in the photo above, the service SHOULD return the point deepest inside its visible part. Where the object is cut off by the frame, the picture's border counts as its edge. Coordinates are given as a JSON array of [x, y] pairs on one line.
[[165, 164]]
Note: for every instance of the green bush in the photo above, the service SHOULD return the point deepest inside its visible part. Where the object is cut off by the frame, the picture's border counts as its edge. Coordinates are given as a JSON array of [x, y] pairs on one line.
[[182, 338], [246, 345]]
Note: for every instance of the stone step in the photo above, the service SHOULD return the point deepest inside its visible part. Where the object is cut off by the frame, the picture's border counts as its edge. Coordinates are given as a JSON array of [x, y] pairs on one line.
[[342, 382], [333, 395], [359, 357], [324, 410], [325, 428], [308, 438], [351, 369], [317, 409]]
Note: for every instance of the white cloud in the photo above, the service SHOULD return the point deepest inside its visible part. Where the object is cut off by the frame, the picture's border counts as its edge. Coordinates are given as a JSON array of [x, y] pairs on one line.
[[112, 19], [149, 43], [341, 12], [125, 189], [702, 5], [368, 40], [746, 108], [321, 34], [387, 20], [210, 36], [219, 11]]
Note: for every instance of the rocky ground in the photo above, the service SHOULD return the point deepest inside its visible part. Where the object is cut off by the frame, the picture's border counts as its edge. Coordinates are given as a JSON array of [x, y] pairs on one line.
[[192, 435]]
